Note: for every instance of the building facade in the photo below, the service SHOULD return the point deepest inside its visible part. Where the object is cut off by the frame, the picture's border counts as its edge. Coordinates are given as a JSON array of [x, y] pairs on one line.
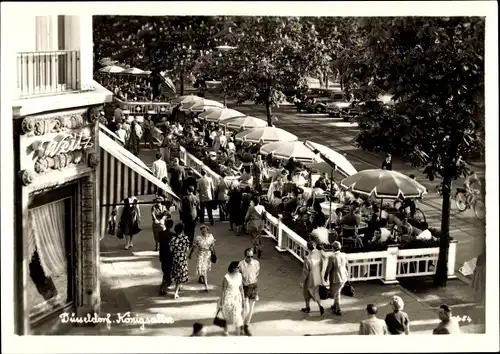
[[56, 149]]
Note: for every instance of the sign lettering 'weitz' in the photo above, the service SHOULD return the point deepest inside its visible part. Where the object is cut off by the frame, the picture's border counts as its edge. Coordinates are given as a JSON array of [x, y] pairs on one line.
[[62, 144]]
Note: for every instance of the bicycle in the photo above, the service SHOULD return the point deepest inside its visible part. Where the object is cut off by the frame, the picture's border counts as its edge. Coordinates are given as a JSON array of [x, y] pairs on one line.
[[465, 200], [404, 207]]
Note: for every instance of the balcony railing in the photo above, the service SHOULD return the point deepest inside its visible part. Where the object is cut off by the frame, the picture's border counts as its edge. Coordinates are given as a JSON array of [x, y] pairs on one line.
[[46, 73]]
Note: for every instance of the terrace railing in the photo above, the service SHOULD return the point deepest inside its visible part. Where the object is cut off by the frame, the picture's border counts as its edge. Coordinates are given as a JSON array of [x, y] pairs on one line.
[[141, 108], [386, 265], [47, 73]]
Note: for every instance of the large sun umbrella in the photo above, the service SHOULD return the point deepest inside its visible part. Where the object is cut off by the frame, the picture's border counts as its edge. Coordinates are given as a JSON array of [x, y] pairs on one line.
[[384, 184], [187, 99], [217, 114], [133, 71], [265, 135], [286, 149], [204, 104], [340, 162], [247, 122], [112, 69]]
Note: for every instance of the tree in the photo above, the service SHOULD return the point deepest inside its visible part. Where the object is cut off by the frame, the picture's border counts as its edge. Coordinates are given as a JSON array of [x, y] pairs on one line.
[[160, 43], [434, 67], [271, 54]]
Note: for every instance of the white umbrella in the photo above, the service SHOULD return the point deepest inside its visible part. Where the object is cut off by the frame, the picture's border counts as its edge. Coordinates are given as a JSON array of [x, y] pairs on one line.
[[341, 163], [265, 135], [286, 149], [133, 71], [112, 69], [216, 114], [384, 184], [247, 122], [203, 105], [187, 99]]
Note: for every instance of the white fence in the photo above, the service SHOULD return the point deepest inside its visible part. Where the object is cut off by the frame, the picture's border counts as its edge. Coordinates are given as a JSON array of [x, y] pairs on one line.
[[386, 265]]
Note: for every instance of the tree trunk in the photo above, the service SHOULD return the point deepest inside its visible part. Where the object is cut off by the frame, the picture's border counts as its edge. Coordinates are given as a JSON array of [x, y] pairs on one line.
[[441, 276], [269, 113]]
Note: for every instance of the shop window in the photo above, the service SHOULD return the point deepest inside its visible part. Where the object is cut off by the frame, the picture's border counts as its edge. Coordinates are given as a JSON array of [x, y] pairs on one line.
[[49, 285]]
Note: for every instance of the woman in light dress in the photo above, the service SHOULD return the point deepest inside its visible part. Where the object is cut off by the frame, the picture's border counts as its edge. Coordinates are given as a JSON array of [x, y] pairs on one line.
[[231, 300], [204, 245], [311, 277]]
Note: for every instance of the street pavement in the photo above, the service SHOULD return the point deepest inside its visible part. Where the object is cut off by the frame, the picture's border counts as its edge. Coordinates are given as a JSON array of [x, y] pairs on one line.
[[130, 280], [340, 136]]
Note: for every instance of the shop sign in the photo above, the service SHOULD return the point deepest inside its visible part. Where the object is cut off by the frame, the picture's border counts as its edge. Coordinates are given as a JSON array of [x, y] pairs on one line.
[[62, 144]]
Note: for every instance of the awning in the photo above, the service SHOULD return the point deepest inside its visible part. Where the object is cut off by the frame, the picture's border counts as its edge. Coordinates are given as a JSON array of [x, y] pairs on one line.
[[123, 175], [109, 133]]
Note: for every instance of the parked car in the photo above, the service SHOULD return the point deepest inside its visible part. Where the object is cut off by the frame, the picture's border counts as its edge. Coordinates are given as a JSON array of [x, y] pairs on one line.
[[316, 101], [342, 107], [349, 109]]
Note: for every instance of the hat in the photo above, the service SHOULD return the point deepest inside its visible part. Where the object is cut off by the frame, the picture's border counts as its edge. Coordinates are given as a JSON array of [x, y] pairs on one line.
[[212, 153], [158, 199]]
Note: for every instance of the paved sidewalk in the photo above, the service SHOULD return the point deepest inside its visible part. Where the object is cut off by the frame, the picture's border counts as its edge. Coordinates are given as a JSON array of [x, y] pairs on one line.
[[130, 281]]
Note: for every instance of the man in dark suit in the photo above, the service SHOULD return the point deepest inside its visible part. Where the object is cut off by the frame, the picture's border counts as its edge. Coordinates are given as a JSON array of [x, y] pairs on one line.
[[176, 177], [190, 180], [166, 255], [189, 212]]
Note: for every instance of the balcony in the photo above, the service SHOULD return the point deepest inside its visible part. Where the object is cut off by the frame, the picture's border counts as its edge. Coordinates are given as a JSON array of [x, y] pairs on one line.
[[48, 73]]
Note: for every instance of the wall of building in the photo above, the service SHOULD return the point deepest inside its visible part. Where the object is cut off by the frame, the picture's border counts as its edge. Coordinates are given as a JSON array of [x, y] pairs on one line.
[[43, 166]]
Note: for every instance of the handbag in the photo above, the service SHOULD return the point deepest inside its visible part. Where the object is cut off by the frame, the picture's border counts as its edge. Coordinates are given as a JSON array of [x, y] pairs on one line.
[[324, 293], [213, 256], [219, 322], [347, 289]]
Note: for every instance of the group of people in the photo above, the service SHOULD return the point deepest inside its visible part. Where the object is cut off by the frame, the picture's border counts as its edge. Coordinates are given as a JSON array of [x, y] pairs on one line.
[[126, 87], [397, 322]]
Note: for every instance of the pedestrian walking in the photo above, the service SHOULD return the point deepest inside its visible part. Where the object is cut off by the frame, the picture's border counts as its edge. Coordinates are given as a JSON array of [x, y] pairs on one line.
[[130, 218], [176, 177], [448, 324], [135, 136], [311, 277], [372, 325], [190, 180], [222, 196], [255, 221], [397, 321], [205, 247], [206, 189], [159, 214], [336, 271], [149, 127], [159, 167], [234, 210], [189, 213], [249, 269], [231, 299], [179, 246], [166, 256]]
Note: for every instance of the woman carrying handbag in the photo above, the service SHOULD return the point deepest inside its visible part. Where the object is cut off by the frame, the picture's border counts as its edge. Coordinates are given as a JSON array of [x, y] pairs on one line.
[[205, 246], [230, 304]]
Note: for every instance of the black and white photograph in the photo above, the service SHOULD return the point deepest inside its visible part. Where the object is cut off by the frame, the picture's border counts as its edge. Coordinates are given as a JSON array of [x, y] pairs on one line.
[[279, 170]]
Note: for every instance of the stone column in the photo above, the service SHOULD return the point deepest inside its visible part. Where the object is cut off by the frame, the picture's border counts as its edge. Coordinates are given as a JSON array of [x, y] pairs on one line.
[[88, 282]]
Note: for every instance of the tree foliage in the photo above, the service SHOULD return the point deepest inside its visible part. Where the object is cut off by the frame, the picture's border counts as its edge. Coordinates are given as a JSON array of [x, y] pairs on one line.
[[434, 68], [271, 54]]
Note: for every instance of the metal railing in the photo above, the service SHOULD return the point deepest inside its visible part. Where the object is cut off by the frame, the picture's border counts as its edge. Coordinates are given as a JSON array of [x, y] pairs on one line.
[[46, 73]]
